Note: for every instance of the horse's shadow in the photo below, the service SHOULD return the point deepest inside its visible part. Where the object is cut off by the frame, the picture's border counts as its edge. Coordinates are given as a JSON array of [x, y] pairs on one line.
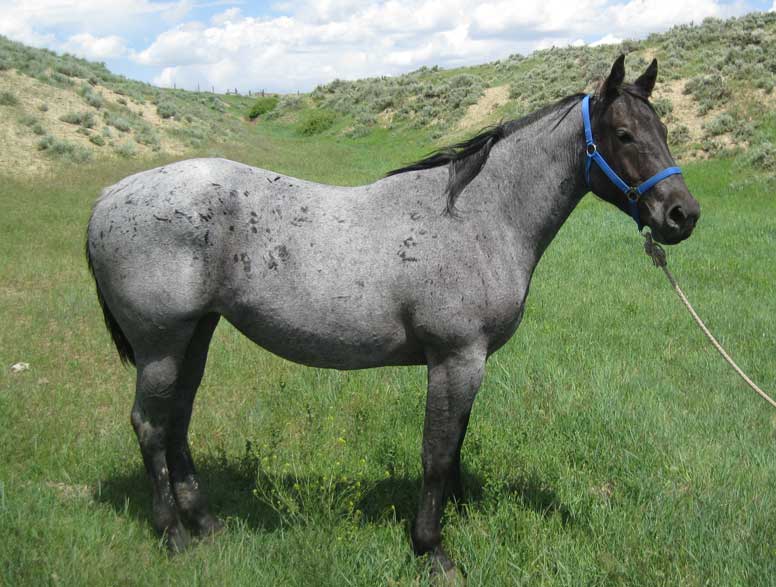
[[231, 487]]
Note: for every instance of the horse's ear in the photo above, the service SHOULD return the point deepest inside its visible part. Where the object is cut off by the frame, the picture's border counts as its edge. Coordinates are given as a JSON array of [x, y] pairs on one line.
[[646, 83], [611, 87]]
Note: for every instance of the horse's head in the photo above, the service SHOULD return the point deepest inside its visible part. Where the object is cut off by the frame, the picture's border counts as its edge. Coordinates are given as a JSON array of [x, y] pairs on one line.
[[632, 139]]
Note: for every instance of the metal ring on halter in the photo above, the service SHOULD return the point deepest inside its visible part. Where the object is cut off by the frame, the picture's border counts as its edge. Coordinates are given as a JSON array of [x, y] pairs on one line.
[[633, 195], [591, 149]]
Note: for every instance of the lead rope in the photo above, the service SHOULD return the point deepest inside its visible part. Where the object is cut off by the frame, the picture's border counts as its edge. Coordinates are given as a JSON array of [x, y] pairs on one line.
[[658, 256]]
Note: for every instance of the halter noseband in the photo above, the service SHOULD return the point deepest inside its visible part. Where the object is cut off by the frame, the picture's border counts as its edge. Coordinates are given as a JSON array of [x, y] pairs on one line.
[[633, 194]]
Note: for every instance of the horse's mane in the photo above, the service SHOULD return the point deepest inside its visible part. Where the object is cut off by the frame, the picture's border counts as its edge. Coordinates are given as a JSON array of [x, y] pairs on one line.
[[467, 158]]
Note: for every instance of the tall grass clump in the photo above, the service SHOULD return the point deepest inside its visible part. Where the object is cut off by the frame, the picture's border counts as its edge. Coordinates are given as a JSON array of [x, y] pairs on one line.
[[83, 119], [64, 149], [710, 91], [127, 150], [315, 121], [761, 156], [117, 121], [8, 99], [147, 135], [166, 110], [33, 124], [719, 125], [262, 106]]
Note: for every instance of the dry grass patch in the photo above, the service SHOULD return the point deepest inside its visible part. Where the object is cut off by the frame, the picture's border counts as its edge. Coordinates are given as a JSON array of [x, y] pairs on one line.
[[19, 153], [479, 114]]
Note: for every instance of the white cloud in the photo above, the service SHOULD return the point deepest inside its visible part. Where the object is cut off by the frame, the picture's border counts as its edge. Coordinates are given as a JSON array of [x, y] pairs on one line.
[[313, 41], [230, 15], [607, 40], [98, 48], [319, 39], [18, 29], [96, 15]]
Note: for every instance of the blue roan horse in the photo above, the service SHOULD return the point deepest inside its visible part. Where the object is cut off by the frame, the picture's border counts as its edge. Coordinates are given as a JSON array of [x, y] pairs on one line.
[[430, 265]]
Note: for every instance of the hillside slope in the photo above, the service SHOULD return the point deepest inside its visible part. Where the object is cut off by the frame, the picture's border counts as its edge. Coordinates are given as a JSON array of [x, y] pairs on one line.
[[715, 92], [56, 107]]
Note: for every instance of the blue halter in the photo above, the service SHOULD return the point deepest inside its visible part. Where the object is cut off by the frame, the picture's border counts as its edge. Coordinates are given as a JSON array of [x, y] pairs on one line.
[[634, 194]]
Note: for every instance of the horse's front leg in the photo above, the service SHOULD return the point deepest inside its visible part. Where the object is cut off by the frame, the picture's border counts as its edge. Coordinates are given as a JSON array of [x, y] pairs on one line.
[[454, 377]]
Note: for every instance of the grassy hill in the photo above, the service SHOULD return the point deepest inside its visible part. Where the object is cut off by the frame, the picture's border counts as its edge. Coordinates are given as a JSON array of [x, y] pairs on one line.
[[609, 444], [715, 91]]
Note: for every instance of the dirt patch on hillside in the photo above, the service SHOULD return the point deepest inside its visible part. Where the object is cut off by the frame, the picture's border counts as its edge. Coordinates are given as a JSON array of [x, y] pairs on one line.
[[385, 118], [41, 106], [685, 108], [478, 114]]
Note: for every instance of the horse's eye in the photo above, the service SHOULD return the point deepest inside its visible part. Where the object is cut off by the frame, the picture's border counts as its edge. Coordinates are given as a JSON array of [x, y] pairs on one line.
[[624, 135]]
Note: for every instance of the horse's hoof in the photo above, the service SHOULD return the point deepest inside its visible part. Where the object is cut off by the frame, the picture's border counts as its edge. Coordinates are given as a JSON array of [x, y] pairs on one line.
[[451, 577], [177, 539], [209, 525], [444, 572]]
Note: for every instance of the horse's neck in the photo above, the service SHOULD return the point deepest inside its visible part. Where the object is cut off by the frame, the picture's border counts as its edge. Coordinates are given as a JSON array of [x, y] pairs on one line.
[[540, 170]]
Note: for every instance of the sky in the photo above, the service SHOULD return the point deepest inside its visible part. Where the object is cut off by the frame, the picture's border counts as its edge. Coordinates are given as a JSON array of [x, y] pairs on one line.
[[282, 46]]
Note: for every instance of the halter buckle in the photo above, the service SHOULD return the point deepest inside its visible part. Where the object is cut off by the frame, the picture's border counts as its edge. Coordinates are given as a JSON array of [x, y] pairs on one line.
[[591, 149]]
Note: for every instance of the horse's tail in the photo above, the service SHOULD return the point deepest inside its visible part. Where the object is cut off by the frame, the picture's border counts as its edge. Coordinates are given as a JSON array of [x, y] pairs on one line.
[[126, 354]]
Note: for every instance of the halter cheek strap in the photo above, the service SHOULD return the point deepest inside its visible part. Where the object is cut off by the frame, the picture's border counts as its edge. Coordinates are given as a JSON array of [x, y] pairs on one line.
[[634, 194]]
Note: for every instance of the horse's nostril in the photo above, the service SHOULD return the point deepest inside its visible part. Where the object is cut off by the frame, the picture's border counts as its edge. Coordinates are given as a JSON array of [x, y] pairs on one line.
[[677, 216]]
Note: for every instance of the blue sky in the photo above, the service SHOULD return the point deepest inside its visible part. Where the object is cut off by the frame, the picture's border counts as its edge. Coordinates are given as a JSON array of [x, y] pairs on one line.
[[287, 46]]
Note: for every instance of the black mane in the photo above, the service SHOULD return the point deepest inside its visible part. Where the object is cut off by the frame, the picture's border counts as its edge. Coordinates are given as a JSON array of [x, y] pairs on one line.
[[467, 158]]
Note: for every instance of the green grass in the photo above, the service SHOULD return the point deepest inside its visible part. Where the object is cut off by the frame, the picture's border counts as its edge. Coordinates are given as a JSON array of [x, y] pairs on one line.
[[609, 444], [262, 106]]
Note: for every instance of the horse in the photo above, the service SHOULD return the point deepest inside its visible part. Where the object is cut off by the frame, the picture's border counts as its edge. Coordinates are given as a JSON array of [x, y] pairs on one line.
[[430, 265]]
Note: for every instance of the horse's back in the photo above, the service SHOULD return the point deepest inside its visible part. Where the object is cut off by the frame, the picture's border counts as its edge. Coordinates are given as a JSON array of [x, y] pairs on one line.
[[324, 275], [296, 265]]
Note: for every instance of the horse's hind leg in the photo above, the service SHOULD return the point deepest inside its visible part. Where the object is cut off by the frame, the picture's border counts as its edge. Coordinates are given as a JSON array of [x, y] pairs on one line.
[[160, 355], [189, 495], [453, 380]]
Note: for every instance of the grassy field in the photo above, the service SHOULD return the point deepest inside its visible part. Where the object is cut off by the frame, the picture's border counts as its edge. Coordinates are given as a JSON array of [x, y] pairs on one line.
[[609, 444]]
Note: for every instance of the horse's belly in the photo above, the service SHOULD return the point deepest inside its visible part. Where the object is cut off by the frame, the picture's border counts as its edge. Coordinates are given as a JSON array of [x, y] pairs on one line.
[[332, 338]]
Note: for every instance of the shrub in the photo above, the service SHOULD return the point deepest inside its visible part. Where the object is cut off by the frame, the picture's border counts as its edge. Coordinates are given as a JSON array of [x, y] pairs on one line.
[[70, 70], [94, 99], [213, 103], [679, 134], [8, 99], [708, 90], [97, 140], [43, 107], [761, 156], [358, 131], [663, 107], [314, 122], [61, 80], [722, 124], [262, 106], [32, 122], [146, 135], [765, 84], [117, 122], [126, 150], [166, 110], [64, 149], [83, 119]]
